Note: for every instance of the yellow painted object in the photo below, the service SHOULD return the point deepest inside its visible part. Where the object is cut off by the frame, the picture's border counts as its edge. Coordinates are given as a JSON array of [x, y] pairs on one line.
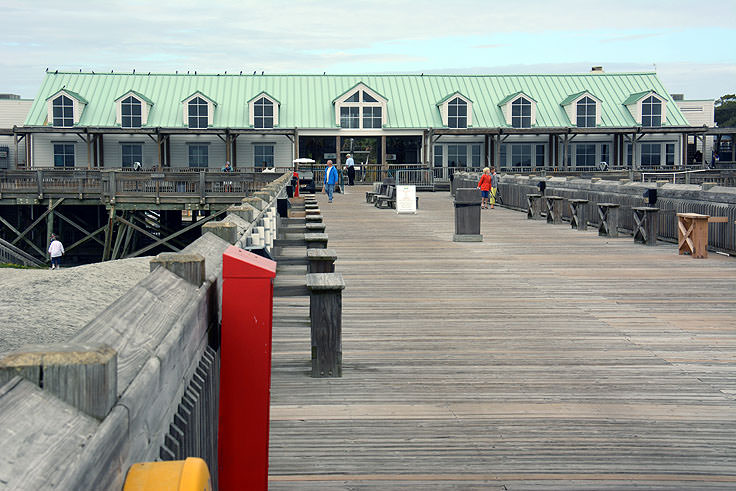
[[178, 475]]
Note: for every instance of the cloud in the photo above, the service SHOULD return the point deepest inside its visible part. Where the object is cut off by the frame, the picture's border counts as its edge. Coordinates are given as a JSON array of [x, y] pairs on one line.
[[631, 37]]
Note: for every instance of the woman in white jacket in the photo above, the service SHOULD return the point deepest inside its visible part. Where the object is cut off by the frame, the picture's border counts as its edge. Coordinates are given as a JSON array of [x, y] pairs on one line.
[[56, 250]]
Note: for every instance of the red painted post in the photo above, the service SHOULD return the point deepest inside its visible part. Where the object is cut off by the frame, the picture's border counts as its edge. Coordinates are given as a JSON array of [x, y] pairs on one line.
[[245, 370]]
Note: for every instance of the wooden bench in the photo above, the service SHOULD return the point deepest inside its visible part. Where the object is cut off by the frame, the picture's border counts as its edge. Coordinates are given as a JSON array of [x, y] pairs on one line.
[[646, 225], [325, 313], [692, 233], [554, 209], [578, 218], [534, 206], [370, 194]]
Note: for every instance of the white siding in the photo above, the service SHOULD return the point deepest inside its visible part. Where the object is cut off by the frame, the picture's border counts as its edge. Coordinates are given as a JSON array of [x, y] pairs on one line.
[[283, 152], [43, 149], [7, 141], [13, 112], [699, 113], [113, 153], [179, 145]]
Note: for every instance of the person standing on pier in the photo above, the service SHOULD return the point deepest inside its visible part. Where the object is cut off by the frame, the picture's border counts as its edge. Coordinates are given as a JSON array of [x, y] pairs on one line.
[[56, 250], [330, 180], [494, 186], [485, 187], [350, 164]]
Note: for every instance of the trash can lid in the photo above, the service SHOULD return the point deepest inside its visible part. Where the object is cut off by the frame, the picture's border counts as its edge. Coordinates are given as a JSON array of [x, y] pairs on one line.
[[467, 196]]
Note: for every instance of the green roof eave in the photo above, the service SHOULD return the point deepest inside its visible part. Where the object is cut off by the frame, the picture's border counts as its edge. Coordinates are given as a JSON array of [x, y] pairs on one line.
[[73, 94], [514, 96], [202, 94], [572, 97], [137, 94], [355, 86], [262, 93], [450, 96], [638, 96]]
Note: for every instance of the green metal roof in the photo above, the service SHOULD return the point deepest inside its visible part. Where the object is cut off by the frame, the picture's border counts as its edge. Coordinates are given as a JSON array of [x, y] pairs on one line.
[[257, 96], [638, 96], [137, 94], [73, 94], [572, 97], [360, 82], [514, 96], [199, 92], [449, 96], [306, 100]]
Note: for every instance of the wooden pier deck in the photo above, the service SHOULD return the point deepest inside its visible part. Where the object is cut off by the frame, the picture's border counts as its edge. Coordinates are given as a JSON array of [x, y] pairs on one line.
[[542, 358]]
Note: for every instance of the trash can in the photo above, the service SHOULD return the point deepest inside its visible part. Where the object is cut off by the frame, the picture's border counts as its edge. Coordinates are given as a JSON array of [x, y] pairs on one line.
[[467, 215]]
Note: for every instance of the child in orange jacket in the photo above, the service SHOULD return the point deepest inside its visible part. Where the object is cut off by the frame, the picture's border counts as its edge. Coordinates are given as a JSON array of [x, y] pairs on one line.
[[485, 187]]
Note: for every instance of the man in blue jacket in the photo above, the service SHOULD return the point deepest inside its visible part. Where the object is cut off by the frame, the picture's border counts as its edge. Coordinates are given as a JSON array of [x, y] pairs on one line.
[[330, 180]]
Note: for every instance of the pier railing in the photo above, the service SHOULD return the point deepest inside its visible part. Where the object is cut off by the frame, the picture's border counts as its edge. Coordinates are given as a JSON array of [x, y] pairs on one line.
[[140, 381]]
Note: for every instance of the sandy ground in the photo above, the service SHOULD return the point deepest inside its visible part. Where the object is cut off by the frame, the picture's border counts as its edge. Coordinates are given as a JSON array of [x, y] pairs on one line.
[[45, 306]]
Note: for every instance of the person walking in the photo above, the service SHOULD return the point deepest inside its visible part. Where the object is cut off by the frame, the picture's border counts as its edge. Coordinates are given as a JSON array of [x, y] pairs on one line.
[[330, 180], [494, 186], [350, 164], [56, 250], [485, 187]]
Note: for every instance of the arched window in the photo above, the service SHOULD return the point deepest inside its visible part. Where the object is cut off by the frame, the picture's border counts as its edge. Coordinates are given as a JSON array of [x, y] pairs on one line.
[[521, 113], [130, 109], [263, 113], [586, 113], [198, 113], [63, 108], [651, 112], [457, 113]]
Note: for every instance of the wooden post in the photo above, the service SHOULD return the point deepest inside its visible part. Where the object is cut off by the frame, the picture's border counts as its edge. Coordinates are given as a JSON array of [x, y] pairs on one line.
[[497, 152], [88, 139], [227, 231], [384, 164], [325, 312], [159, 141], [49, 224], [338, 143], [321, 260], [296, 143], [190, 267], [29, 152], [101, 149], [15, 140], [83, 375]]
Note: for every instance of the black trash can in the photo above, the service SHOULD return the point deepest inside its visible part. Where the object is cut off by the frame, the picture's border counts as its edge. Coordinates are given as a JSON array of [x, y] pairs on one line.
[[467, 215]]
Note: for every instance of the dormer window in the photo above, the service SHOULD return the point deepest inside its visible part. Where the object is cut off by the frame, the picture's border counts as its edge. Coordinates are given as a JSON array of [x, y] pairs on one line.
[[263, 111], [651, 112], [456, 111], [198, 111], [583, 109], [521, 113], [519, 110], [647, 108], [63, 111], [586, 110], [64, 108], [132, 109], [360, 108]]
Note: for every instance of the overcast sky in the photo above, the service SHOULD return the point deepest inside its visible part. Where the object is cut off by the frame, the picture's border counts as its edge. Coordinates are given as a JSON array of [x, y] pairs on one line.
[[689, 44]]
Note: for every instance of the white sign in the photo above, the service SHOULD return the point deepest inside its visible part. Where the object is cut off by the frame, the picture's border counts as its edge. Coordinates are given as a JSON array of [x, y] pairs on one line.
[[406, 199]]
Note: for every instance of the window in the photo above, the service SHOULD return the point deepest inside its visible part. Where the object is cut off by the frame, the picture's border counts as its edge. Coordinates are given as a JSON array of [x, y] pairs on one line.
[[670, 154], [371, 117], [475, 155], [130, 109], [540, 156], [63, 154], [438, 155], [263, 156], [651, 112], [263, 113], [502, 155], [521, 113], [132, 152], [198, 113], [586, 113], [63, 108], [350, 117], [604, 153], [521, 155], [585, 155], [457, 113], [199, 156], [354, 98], [651, 154], [457, 155]]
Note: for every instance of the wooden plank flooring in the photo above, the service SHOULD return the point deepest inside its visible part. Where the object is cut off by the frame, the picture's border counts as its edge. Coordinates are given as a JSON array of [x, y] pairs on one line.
[[541, 358]]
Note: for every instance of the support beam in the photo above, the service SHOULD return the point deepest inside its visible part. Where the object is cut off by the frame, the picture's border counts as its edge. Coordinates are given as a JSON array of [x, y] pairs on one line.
[[85, 239], [78, 227], [108, 234], [146, 233], [15, 231], [38, 220]]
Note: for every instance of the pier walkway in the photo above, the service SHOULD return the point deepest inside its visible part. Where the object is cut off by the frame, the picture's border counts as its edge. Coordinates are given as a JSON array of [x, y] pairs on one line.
[[542, 357]]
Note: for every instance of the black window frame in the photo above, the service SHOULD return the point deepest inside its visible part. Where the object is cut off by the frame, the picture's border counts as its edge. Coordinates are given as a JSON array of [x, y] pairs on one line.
[[521, 105], [263, 159], [128, 118], [457, 113], [63, 156], [588, 107], [200, 116], [260, 117], [201, 159], [62, 110], [651, 112]]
